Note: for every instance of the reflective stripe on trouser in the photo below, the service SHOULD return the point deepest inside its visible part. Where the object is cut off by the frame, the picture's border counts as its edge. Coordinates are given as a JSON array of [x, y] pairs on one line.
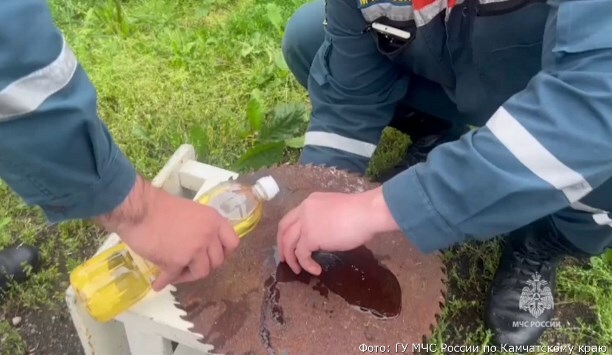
[[333, 150], [590, 229], [588, 223]]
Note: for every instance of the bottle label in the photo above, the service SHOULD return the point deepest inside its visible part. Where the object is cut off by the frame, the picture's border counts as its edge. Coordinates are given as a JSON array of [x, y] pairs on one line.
[[232, 205]]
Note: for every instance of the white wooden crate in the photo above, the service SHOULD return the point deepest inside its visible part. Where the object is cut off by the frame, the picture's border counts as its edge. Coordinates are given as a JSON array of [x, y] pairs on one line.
[[150, 327]]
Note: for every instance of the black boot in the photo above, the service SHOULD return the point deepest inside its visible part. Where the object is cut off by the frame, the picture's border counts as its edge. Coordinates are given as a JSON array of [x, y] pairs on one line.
[[13, 262], [426, 132], [520, 304]]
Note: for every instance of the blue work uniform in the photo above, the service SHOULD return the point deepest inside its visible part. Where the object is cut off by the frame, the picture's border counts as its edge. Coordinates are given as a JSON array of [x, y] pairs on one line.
[[534, 76], [55, 152], [538, 76]]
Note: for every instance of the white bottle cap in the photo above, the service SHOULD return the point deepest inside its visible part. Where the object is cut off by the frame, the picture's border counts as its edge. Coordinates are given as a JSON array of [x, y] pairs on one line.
[[267, 187]]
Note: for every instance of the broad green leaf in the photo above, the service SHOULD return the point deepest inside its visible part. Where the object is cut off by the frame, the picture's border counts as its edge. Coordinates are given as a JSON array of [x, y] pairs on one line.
[[286, 123], [280, 62], [296, 142], [256, 111], [275, 16], [260, 156]]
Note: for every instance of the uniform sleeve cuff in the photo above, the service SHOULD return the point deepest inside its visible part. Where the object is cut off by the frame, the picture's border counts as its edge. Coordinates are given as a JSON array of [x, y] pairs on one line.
[[110, 191], [415, 214]]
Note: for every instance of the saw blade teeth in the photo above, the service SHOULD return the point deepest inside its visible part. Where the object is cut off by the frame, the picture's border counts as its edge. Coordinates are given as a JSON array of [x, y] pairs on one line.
[[195, 298]]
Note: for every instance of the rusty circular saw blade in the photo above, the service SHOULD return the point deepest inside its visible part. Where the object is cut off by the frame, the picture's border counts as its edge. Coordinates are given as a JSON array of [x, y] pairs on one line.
[[237, 311]]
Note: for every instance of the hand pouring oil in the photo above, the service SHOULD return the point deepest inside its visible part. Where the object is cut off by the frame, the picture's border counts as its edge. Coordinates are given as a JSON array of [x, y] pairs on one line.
[[113, 281]]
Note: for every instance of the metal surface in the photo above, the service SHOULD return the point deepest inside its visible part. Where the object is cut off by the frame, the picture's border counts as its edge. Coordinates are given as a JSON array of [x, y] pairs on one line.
[[240, 310]]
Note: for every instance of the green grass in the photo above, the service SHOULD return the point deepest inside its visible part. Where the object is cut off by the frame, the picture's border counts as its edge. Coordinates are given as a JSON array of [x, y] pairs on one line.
[[173, 72]]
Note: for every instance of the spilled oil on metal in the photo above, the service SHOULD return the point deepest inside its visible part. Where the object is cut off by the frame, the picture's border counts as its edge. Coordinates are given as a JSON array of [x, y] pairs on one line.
[[356, 276], [380, 293]]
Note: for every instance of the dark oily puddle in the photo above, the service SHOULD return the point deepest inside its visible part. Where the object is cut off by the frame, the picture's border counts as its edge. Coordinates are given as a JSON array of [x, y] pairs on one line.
[[356, 276]]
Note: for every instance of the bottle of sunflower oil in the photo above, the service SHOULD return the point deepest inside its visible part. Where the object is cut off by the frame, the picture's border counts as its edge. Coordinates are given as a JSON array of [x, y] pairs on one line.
[[113, 281]]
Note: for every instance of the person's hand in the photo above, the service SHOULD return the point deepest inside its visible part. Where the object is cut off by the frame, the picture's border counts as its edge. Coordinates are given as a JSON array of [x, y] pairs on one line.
[[184, 239], [331, 222]]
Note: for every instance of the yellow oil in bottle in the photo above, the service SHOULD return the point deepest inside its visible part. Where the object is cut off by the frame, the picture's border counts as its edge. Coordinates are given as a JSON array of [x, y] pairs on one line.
[[116, 279], [111, 281]]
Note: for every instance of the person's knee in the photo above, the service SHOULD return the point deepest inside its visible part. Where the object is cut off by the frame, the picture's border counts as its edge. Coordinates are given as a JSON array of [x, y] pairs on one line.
[[303, 36], [291, 38], [305, 23]]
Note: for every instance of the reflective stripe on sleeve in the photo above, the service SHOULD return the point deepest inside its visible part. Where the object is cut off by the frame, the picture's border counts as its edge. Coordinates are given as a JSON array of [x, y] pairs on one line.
[[531, 153], [26, 94]]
